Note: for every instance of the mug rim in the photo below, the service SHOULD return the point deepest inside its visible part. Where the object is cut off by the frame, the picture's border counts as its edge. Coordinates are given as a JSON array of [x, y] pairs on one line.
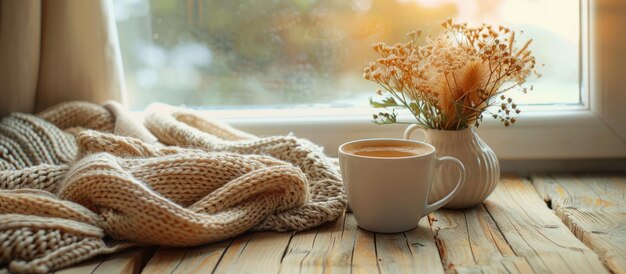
[[342, 152]]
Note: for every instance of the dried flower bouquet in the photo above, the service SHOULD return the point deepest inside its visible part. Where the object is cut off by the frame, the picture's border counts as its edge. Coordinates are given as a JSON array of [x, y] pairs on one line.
[[453, 79]]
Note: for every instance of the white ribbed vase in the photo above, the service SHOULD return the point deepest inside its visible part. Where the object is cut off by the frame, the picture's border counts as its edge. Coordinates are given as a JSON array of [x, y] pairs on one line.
[[481, 165]]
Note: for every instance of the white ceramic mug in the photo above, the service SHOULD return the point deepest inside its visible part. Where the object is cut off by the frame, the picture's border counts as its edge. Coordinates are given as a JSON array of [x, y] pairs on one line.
[[389, 194]]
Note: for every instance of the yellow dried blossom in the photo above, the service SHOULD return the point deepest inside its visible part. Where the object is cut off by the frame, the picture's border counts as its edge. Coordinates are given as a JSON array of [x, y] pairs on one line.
[[449, 82]]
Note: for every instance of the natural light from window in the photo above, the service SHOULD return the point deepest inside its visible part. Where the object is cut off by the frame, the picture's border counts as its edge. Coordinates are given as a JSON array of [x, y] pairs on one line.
[[311, 53]]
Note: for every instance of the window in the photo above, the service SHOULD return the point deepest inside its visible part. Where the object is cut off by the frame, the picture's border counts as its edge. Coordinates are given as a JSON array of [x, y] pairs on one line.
[[295, 53], [275, 66]]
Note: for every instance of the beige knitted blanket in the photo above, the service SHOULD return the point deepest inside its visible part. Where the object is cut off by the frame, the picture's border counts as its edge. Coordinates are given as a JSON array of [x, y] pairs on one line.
[[79, 180]]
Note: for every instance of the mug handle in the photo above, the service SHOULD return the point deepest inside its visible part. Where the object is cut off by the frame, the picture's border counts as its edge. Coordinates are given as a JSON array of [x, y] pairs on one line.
[[440, 160], [409, 130]]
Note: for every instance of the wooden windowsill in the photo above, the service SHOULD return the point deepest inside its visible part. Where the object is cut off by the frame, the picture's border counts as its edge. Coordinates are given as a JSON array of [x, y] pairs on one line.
[[514, 230]]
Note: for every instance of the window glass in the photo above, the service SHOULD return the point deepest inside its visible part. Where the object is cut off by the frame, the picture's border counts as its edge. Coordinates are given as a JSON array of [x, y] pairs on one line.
[[311, 53]]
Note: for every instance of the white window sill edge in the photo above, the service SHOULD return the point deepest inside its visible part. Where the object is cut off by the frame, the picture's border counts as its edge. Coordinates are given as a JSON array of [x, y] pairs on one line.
[[567, 133]]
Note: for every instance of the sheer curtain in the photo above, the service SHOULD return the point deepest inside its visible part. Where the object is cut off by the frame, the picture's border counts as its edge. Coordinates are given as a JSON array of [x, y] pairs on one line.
[[55, 51]]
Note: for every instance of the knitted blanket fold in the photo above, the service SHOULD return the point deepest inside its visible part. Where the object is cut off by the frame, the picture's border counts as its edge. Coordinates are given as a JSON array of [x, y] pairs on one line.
[[79, 180]]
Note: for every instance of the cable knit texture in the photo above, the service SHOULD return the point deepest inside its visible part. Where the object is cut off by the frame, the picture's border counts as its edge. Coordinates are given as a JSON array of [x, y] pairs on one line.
[[79, 180]]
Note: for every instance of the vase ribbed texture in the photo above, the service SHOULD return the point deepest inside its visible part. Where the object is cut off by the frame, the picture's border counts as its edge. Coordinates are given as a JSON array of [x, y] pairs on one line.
[[481, 165]]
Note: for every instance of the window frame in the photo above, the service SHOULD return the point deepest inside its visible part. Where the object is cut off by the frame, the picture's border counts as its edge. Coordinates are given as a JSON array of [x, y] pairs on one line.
[[594, 129]]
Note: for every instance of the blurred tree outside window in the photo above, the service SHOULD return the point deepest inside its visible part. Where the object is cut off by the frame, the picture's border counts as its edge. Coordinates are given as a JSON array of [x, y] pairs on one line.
[[311, 53]]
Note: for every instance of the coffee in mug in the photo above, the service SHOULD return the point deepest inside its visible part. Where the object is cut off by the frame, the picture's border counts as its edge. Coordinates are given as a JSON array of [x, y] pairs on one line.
[[387, 150], [388, 182]]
